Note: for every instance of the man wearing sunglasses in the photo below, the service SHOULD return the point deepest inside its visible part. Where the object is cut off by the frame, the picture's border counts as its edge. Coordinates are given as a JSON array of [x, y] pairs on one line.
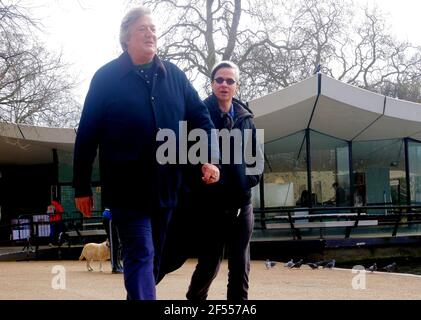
[[227, 219]]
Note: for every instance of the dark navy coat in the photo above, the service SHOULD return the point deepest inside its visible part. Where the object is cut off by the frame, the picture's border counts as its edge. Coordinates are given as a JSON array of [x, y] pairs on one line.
[[121, 117]]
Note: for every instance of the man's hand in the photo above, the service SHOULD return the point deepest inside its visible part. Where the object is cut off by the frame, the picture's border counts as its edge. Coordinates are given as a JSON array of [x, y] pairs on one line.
[[210, 173], [85, 205]]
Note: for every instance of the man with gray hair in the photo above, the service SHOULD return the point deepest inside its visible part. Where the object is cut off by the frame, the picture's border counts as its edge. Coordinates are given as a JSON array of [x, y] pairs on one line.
[[130, 99]]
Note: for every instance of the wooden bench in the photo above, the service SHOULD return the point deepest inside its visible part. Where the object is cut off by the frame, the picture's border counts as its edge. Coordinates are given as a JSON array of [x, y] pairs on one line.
[[92, 224], [85, 233], [299, 222], [321, 215], [322, 224], [67, 236]]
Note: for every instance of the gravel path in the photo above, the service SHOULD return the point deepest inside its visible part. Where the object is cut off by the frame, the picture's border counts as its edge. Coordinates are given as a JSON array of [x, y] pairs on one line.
[[35, 280]]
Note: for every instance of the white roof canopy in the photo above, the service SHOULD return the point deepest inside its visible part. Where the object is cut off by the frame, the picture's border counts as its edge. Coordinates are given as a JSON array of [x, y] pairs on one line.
[[337, 109], [25, 145]]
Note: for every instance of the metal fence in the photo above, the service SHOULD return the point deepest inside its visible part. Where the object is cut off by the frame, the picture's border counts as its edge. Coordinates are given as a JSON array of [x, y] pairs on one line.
[[32, 231], [337, 222], [280, 223]]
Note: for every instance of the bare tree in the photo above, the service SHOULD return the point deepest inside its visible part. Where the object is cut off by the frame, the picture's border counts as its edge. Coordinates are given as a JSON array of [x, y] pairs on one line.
[[279, 42], [200, 32], [376, 61], [35, 87]]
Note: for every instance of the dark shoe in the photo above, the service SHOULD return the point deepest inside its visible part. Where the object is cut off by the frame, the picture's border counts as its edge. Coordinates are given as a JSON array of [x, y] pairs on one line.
[[117, 270]]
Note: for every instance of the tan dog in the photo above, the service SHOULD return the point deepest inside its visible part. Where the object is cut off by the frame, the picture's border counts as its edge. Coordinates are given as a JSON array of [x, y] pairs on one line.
[[95, 252]]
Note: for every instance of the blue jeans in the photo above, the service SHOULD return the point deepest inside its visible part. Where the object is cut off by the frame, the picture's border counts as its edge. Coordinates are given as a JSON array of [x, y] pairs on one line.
[[142, 237]]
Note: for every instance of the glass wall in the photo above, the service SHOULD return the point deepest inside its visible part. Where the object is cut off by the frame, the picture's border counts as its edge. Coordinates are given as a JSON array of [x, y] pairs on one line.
[[286, 181], [379, 178], [414, 151], [379, 172], [285, 176], [329, 170]]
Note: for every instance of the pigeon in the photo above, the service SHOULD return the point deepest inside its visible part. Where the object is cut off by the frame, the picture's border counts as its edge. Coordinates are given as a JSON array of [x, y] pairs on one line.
[[390, 267], [313, 265], [320, 263], [269, 264], [330, 264], [289, 264], [297, 264], [373, 267]]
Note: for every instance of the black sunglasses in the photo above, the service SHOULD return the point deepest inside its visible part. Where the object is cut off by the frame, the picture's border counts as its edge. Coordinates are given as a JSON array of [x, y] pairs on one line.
[[221, 80]]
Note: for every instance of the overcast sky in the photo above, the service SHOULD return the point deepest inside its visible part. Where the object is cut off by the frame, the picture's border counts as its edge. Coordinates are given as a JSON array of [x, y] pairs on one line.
[[88, 35], [404, 17]]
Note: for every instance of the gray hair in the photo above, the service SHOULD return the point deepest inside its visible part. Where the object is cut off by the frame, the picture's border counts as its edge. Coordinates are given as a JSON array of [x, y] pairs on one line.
[[129, 19], [226, 64]]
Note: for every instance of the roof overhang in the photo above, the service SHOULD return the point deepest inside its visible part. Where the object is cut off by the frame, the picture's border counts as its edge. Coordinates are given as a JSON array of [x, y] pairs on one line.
[[337, 109], [28, 145]]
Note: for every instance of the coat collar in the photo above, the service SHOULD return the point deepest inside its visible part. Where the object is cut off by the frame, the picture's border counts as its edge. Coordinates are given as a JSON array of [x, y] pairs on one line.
[[126, 65], [240, 108]]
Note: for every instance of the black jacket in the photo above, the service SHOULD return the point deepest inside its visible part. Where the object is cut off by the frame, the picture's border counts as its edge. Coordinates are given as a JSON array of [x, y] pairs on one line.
[[234, 188], [230, 193]]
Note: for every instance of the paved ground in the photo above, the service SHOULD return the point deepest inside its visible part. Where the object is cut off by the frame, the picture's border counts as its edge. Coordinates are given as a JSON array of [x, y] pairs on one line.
[[34, 279]]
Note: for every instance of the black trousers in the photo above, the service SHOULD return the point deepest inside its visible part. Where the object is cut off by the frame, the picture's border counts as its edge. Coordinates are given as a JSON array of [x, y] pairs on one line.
[[224, 229], [56, 227]]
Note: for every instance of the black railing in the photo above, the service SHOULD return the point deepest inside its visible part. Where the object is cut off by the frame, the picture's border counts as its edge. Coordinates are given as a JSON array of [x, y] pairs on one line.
[[295, 219], [31, 233]]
